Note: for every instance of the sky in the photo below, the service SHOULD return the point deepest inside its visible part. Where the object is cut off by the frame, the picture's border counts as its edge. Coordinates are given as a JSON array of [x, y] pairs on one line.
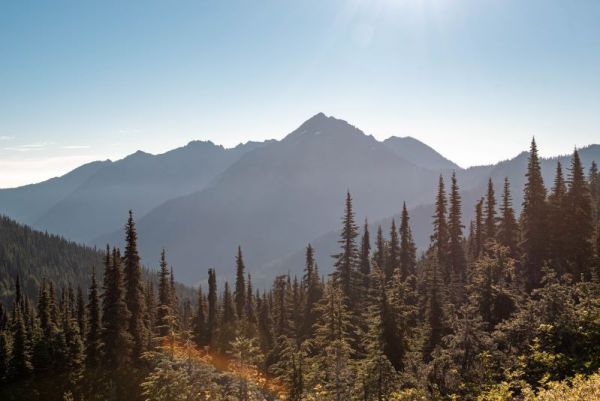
[[475, 79]]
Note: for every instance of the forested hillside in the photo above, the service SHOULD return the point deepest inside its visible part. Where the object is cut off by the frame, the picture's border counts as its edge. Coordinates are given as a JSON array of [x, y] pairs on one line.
[[507, 308]]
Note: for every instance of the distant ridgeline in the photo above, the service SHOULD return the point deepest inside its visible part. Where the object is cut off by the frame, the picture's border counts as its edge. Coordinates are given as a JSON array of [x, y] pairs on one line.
[[34, 255]]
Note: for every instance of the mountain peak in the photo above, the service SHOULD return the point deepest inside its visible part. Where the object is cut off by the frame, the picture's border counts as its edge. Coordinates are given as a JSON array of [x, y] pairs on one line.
[[320, 124]]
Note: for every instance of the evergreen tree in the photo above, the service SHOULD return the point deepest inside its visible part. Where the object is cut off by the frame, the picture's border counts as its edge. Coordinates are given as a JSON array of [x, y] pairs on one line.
[[392, 265], [94, 330], [440, 235], [4, 355], [380, 249], [508, 229], [211, 321], [240, 285], [408, 249], [434, 309], [165, 298], [346, 260], [313, 292], [19, 365], [115, 316], [199, 327], [134, 289], [490, 212], [365, 257], [456, 255], [81, 318], [557, 216], [580, 229], [534, 229]]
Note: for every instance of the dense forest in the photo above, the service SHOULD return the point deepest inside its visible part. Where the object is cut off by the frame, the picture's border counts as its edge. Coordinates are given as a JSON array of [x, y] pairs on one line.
[[508, 308]]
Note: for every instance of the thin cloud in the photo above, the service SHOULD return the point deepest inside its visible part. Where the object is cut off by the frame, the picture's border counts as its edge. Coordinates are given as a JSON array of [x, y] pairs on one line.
[[6, 137], [30, 147], [76, 147]]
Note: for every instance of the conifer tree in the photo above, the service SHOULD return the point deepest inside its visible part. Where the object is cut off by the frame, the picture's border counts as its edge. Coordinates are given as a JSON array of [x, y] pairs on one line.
[[379, 255], [199, 325], [434, 309], [211, 321], [557, 216], [4, 355], [240, 285], [81, 318], [365, 257], [490, 212], [134, 289], [313, 291], [19, 365], [227, 329], [165, 298], [249, 307], [94, 330], [580, 229], [439, 238], [408, 249], [393, 256], [115, 316], [508, 229], [534, 230], [346, 260], [456, 255]]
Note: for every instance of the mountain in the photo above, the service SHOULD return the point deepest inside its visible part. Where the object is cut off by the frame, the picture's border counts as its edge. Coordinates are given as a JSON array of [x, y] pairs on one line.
[[28, 203], [95, 198], [473, 184], [419, 153], [279, 196]]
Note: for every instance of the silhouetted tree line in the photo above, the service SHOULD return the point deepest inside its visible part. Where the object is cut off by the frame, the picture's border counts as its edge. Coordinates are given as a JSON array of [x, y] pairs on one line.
[[510, 306]]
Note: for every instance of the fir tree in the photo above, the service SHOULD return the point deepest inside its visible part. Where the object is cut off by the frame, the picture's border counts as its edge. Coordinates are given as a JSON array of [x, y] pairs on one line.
[[440, 235], [490, 212], [19, 365], [408, 249], [115, 316], [365, 257], [134, 289], [380, 249], [165, 298], [313, 292], [557, 215], [211, 321], [508, 229], [393, 256], [200, 331], [534, 230], [580, 229], [456, 256], [240, 285], [94, 330], [434, 309], [346, 260]]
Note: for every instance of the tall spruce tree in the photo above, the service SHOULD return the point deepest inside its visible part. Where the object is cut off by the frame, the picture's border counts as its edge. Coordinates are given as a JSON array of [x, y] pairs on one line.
[[240, 284], [346, 261], [580, 229], [534, 225], [365, 258], [94, 330], [490, 212], [199, 327], [508, 229], [313, 292], [134, 289], [408, 249], [165, 298], [439, 238], [211, 320], [115, 316], [557, 214], [456, 254], [379, 255], [392, 265]]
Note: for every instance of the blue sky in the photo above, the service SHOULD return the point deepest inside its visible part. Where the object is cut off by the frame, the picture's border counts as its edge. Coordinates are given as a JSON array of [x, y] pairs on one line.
[[84, 80]]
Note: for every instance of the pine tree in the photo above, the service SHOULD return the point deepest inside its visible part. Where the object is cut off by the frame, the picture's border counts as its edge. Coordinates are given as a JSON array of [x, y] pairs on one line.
[[240, 285], [165, 298], [580, 229], [115, 316], [81, 318], [346, 260], [534, 229], [365, 258], [19, 365], [227, 325], [558, 224], [134, 289], [94, 330], [380, 249], [434, 309], [408, 249], [456, 255], [211, 321], [508, 229], [393, 256], [490, 213], [440, 235], [200, 330], [313, 292]]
